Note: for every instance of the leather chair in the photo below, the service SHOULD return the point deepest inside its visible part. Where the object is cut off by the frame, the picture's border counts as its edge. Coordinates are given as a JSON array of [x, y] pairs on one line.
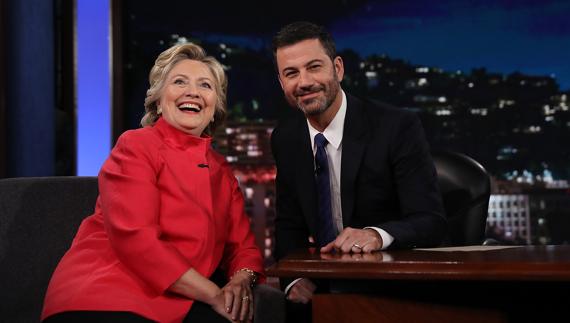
[[39, 217], [466, 188]]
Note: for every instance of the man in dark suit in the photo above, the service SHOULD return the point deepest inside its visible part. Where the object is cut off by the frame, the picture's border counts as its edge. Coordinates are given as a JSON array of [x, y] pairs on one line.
[[381, 186]]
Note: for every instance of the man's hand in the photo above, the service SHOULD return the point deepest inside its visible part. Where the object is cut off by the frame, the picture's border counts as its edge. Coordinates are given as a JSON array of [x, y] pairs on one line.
[[356, 241], [302, 291]]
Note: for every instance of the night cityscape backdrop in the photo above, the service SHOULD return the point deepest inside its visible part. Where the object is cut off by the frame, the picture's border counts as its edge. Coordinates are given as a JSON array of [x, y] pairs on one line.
[[490, 79]]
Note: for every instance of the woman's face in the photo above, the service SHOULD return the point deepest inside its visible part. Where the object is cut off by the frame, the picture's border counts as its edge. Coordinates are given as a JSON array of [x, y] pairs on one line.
[[188, 99]]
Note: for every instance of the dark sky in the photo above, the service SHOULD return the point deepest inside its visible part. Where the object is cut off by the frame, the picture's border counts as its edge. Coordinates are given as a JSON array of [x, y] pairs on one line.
[[504, 36]]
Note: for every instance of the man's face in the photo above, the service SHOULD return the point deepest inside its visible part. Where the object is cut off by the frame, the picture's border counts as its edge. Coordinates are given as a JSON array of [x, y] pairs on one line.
[[310, 80]]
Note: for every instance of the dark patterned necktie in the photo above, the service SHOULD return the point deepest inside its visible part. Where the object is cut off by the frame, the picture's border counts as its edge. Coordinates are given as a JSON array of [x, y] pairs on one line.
[[325, 227]]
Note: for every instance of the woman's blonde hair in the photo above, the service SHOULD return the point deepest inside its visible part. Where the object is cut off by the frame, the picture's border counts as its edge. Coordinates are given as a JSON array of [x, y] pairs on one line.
[[164, 64]]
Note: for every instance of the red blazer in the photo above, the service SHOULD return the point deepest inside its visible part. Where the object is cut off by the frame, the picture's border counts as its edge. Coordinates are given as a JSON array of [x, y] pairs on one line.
[[160, 212]]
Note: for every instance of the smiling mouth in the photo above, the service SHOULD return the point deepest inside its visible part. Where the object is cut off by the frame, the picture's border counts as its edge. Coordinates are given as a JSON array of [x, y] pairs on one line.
[[311, 93], [308, 96], [190, 107]]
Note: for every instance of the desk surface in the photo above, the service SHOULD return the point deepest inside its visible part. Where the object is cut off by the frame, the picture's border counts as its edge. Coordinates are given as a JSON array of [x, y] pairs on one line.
[[524, 263]]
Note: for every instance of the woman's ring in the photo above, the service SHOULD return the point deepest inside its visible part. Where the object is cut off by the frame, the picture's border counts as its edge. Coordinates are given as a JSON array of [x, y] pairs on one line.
[[245, 298], [356, 245]]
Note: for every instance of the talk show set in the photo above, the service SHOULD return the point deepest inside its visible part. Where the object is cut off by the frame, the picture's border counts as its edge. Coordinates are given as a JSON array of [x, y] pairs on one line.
[[290, 162]]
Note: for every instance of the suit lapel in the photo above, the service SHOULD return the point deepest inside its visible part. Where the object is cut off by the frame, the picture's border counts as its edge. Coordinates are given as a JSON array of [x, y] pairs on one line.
[[354, 141], [305, 176]]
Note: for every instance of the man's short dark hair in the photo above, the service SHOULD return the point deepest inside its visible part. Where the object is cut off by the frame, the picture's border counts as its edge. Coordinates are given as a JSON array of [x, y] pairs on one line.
[[303, 30]]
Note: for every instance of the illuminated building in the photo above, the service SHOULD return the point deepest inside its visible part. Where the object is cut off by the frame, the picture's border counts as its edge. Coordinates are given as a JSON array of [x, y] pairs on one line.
[[509, 218], [247, 147], [550, 213]]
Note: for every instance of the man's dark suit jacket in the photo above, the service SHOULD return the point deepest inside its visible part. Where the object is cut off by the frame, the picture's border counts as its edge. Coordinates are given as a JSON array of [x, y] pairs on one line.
[[388, 179]]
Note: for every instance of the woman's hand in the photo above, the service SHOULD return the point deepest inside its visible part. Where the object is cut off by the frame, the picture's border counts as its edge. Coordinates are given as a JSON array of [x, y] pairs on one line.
[[219, 305], [238, 297], [195, 286]]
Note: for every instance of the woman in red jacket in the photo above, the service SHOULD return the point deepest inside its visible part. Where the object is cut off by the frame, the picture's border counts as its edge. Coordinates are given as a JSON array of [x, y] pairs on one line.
[[169, 214]]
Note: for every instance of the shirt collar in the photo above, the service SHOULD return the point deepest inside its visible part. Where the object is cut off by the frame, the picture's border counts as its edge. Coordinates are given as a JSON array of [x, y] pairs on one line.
[[334, 131]]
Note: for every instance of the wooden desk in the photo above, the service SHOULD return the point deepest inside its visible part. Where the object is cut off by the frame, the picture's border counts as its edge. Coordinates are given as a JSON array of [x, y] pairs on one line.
[[522, 284]]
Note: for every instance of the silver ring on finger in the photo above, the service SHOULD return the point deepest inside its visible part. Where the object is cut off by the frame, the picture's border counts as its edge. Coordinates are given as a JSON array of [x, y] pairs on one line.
[[356, 245], [245, 298]]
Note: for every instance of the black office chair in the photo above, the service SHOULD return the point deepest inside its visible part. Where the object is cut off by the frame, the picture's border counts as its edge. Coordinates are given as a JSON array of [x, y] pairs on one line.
[[39, 217], [466, 189]]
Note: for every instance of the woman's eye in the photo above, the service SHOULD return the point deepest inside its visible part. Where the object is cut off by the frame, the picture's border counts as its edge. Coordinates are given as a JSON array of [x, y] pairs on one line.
[[179, 82], [206, 85]]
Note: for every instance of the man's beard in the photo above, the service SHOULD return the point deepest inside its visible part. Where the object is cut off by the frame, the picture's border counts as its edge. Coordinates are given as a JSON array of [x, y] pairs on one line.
[[319, 104]]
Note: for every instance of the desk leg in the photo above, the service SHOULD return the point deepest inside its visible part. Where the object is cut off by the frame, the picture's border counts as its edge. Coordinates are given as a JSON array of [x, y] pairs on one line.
[[370, 308]]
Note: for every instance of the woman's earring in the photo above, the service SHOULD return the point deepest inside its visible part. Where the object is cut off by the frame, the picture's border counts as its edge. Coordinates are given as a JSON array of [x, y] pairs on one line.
[[159, 111]]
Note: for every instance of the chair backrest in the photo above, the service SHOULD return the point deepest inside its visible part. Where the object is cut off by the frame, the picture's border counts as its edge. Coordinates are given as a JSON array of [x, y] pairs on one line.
[[466, 189], [39, 217]]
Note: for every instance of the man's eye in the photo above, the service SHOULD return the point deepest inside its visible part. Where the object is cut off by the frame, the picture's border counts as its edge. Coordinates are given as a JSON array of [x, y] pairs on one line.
[[314, 67], [290, 74]]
